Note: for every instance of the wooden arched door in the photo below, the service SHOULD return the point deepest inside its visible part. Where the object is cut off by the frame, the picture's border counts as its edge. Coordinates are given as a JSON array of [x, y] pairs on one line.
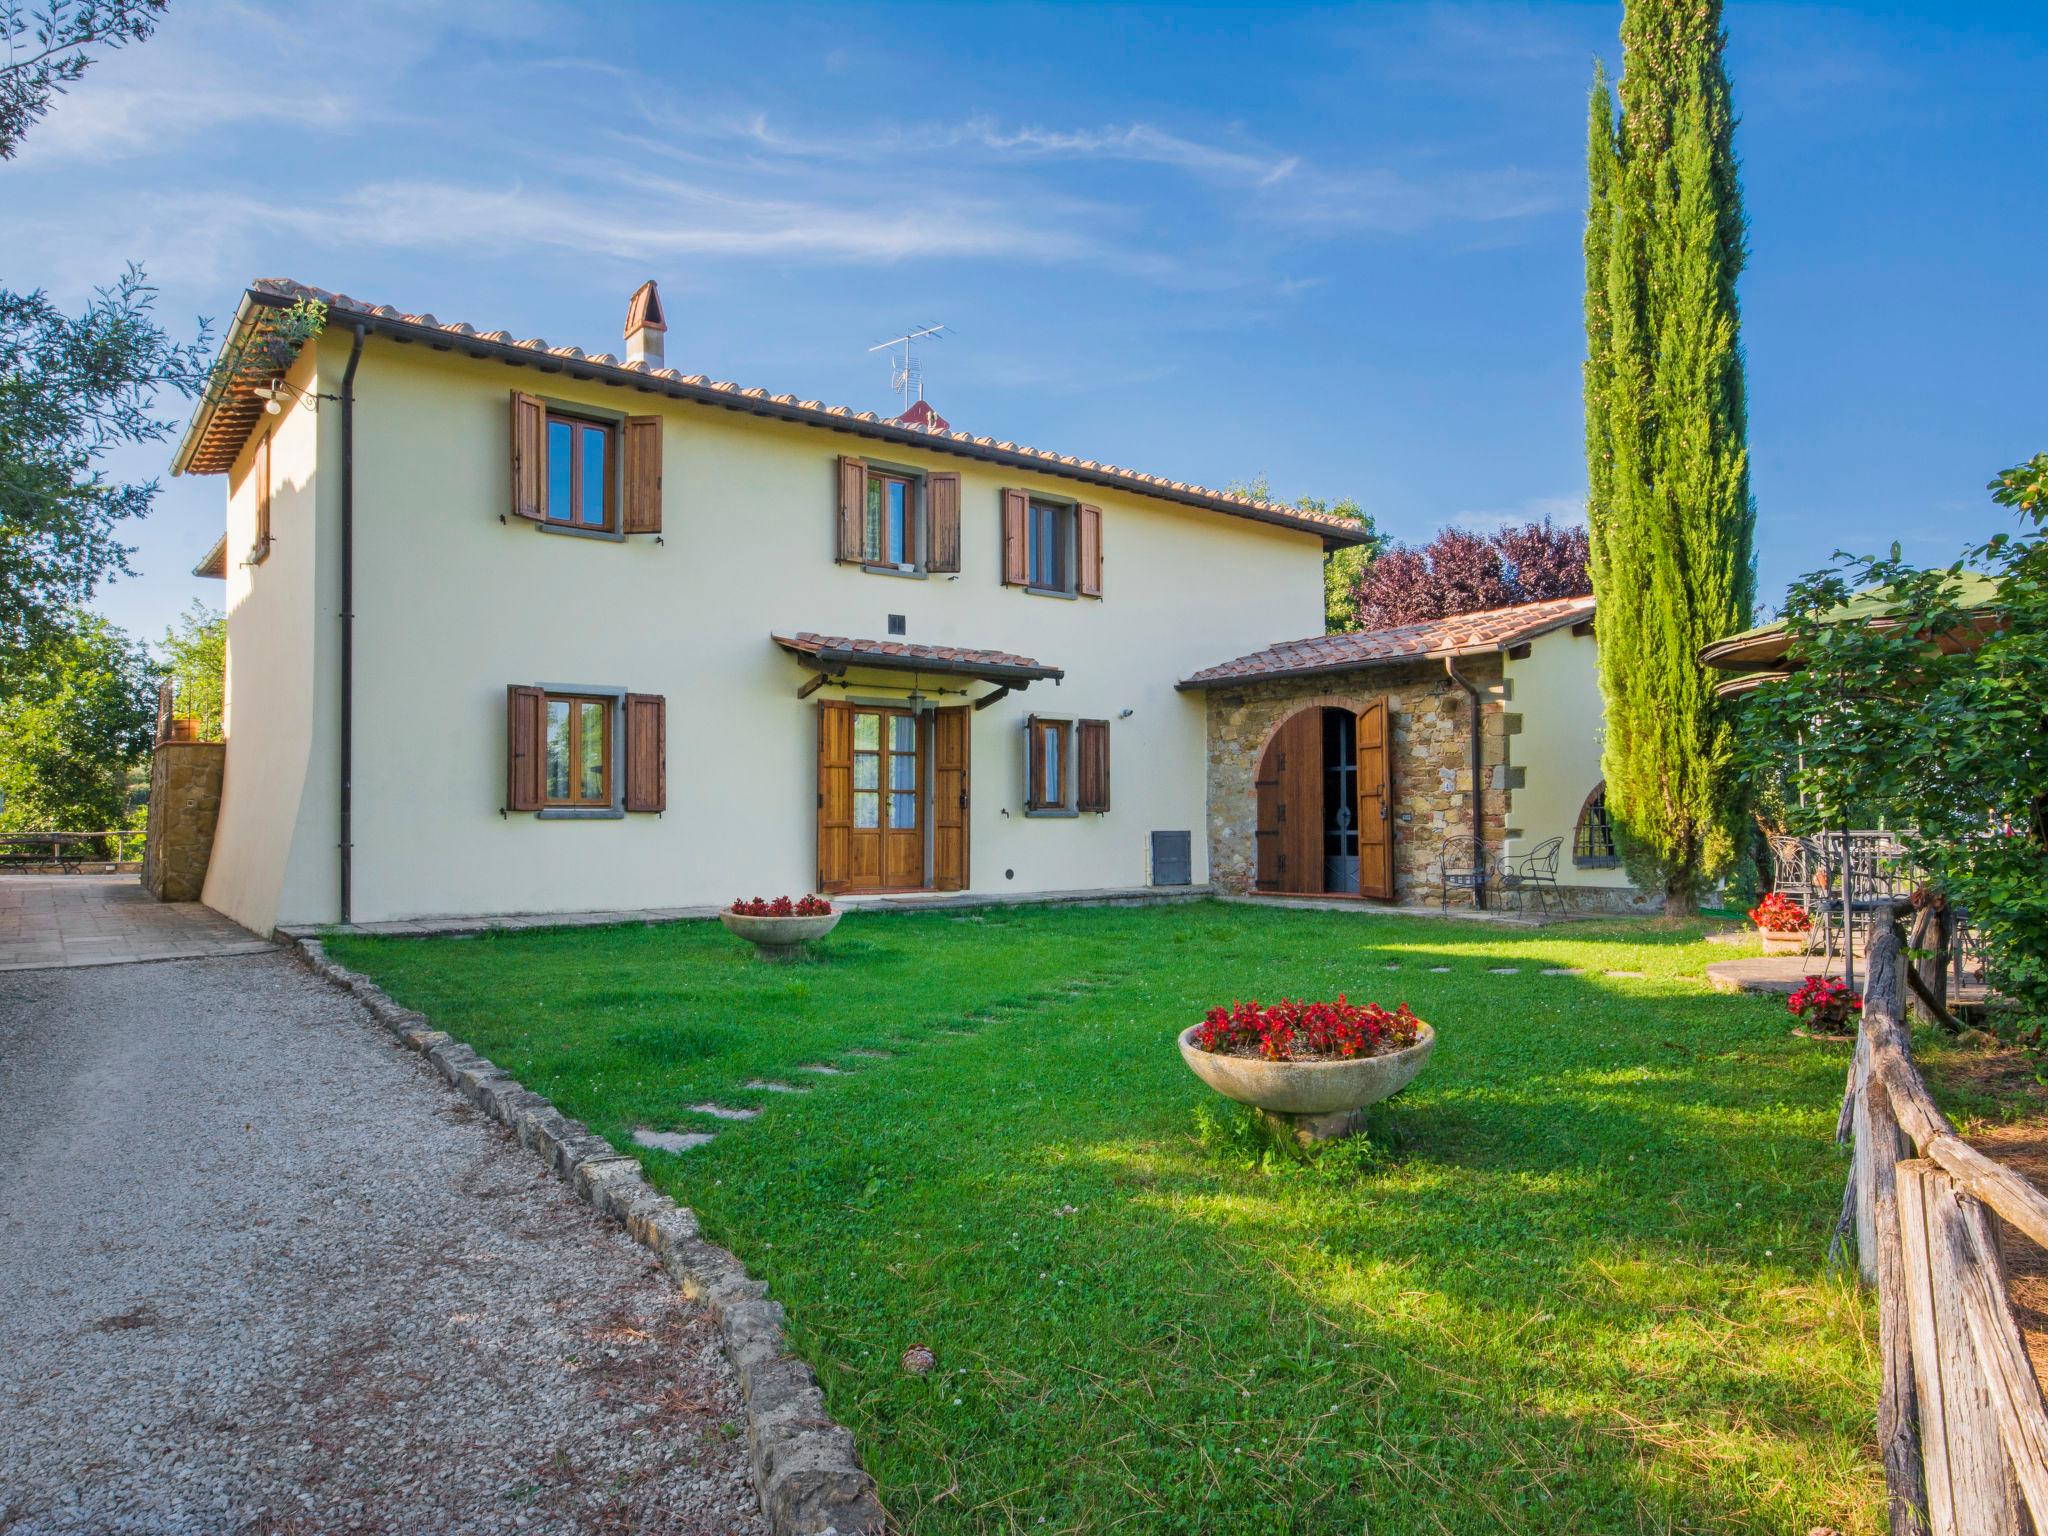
[[1325, 824]]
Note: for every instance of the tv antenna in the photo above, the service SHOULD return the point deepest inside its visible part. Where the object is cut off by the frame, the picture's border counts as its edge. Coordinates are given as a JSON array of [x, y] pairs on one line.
[[906, 373]]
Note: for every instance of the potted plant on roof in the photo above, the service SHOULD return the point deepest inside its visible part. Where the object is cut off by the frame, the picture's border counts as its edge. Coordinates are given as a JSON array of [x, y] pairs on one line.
[[780, 929], [1312, 1068], [1783, 923]]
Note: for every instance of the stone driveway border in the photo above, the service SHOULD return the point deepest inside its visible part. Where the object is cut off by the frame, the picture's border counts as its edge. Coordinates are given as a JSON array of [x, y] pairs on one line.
[[807, 1470]]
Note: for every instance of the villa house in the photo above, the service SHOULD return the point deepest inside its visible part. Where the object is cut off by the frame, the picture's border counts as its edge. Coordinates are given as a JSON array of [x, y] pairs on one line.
[[514, 628]]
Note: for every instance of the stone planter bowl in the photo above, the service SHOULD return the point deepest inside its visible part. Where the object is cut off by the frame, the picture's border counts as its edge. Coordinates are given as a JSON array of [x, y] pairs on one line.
[[1317, 1099], [779, 938], [1784, 943]]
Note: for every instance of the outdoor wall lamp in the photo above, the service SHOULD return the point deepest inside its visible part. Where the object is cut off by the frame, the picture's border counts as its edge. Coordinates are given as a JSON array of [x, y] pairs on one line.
[[268, 394]]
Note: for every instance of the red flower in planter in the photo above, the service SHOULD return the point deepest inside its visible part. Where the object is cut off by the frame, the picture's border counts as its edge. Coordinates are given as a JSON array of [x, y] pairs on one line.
[[1826, 1004], [1778, 913], [1307, 1031], [781, 906]]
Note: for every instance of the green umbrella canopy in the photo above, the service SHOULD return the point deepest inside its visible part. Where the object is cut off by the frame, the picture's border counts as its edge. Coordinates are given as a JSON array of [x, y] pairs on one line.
[[1765, 652]]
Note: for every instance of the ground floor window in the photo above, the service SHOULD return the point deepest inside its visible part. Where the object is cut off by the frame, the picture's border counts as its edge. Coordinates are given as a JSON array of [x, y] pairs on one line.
[[1593, 838], [1049, 777], [579, 751]]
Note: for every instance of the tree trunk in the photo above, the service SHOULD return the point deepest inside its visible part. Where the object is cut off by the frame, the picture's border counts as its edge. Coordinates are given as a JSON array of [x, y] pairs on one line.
[[1681, 900], [1932, 927]]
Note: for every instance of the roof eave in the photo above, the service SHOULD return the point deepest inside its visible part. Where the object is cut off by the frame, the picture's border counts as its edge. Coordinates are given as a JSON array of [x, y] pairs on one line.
[[512, 353], [209, 403]]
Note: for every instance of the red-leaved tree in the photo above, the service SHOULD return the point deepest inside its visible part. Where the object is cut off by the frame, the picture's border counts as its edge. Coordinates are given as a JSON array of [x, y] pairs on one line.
[[1461, 572]]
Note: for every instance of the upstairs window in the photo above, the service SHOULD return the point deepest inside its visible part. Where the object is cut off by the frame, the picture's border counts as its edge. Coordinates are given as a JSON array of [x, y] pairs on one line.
[[580, 458], [889, 531], [1049, 558]]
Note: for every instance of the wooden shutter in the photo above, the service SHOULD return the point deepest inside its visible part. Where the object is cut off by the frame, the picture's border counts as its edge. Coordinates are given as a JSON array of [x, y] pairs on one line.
[[1089, 537], [835, 795], [262, 468], [1375, 805], [942, 510], [853, 509], [950, 747], [1092, 746], [529, 457], [642, 510], [1289, 831], [1034, 763], [1016, 538], [526, 713], [646, 752]]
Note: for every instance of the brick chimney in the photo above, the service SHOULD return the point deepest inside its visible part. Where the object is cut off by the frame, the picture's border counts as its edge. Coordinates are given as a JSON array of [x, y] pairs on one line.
[[645, 326]]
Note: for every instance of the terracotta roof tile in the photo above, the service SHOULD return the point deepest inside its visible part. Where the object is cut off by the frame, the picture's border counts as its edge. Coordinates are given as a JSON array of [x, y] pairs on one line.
[[1490, 629], [211, 448], [908, 656]]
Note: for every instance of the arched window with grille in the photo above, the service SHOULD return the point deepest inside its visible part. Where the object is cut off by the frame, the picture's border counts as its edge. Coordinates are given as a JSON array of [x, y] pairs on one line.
[[1593, 837]]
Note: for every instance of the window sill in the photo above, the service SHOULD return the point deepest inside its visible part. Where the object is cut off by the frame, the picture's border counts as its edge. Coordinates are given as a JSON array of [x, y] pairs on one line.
[[572, 531], [1579, 863], [579, 813], [258, 553], [1050, 592], [1051, 813], [906, 573]]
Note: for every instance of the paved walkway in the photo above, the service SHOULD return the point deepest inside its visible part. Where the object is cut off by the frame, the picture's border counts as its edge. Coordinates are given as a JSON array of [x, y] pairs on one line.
[[264, 1273], [61, 920], [1787, 973]]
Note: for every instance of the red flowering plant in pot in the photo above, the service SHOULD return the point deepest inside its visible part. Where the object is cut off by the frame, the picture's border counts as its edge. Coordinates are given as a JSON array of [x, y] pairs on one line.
[[1783, 923], [1312, 1066], [780, 928], [1826, 1006]]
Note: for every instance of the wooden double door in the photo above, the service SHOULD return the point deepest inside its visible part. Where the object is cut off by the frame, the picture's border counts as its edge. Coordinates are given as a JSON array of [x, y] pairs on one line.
[[892, 798], [1325, 805]]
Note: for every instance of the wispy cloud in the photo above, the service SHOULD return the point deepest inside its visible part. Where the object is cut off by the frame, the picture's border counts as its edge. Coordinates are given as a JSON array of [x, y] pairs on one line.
[[1569, 510]]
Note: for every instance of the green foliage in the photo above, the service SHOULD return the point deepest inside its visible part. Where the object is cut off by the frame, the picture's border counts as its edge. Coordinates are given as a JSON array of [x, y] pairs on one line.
[[1342, 568], [195, 659], [1610, 1208], [1240, 1137], [78, 717], [1894, 712], [47, 50], [1669, 509]]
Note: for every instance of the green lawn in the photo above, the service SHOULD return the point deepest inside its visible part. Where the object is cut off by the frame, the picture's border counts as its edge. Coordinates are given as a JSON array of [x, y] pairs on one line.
[[1588, 1293]]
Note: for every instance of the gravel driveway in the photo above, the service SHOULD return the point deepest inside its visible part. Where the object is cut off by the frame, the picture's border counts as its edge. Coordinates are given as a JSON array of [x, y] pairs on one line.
[[264, 1273]]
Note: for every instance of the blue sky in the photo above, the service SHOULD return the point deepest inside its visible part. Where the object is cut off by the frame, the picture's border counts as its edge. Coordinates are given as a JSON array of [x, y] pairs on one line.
[[1338, 247]]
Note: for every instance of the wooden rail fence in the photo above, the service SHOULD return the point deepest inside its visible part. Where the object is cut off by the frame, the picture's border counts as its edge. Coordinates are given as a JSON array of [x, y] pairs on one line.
[[1962, 1427]]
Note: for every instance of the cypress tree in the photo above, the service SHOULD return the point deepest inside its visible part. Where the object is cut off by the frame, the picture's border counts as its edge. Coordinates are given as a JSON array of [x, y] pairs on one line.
[[1667, 459]]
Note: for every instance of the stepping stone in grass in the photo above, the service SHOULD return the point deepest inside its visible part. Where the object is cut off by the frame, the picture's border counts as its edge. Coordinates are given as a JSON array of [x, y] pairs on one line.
[[1438, 970], [671, 1141], [1631, 975], [819, 1066], [1503, 970], [1562, 970], [870, 1055], [756, 1082], [1393, 966], [724, 1111]]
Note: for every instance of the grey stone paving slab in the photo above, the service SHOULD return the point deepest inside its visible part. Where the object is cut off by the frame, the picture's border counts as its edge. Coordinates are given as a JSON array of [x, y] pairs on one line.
[[63, 920]]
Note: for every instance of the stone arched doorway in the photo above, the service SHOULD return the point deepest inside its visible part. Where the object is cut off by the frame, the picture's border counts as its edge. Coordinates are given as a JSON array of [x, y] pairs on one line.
[[1325, 804]]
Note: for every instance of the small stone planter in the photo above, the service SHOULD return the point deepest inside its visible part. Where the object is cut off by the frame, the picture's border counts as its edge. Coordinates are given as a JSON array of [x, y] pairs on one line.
[[1776, 943], [780, 938], [1313, 1100]]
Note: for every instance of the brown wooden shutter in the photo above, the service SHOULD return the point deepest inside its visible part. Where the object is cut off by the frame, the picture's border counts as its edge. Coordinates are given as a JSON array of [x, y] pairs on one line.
[[835, 795], [1016, 538], [1375, 804], [942, 507], [1093, 793], [1089, 583], [529, 457], [262, 468], [1034, 763], [526, 714], [853, 510], [951, 739], [646, 752], [642, 510]]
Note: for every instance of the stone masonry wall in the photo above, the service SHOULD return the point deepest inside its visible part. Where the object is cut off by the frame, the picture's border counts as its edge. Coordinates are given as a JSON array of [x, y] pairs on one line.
[[184, 805], [1430, 769]]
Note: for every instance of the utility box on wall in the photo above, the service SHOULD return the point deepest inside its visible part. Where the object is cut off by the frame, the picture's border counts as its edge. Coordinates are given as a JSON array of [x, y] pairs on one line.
[[184, 805]]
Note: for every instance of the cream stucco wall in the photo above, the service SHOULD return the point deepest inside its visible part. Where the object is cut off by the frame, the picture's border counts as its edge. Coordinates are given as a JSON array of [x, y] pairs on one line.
[[1555, 692], [453, 603], [274, 846]]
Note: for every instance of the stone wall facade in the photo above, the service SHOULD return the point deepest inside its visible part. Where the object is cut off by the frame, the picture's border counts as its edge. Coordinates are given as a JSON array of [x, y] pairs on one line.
[[1430, 768], [1430, 771], [184, 805]]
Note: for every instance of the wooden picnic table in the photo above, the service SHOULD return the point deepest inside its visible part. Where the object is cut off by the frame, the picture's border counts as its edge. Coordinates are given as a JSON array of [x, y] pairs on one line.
[[31, 849]]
